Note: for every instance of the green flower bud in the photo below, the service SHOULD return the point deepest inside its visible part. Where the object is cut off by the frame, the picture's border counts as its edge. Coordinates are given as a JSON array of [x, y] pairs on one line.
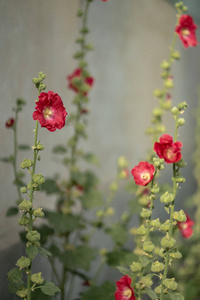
[[175, 254], [146, 280], [79, 13], [136, 267], [84, 30], [170, 283], [145, 213], [157, 267], [169, 83], [89, 47], [23, 221], [42, 86], [181, 163], [37, 278], [168, 242], [181, 122], [165, 75], [158, 93], [158, 289], [23, 190], [165, 226], [165, 65], [40, 147], [179, 216], [33, 236], [157, 112], [38, 213], [161, 252], [84, 88], [167, 198], [141, 230], [166, 105], [175, 111], [184, 8], [25, 205], [27, 163], [29, 185], [155, 189], [179, 179], [99, 213], [148, 246], [22, 292], [38, 179], [78, 54], [80, 40], [23, 262], [182, 106], [80, 127], [155, 223], [82, 63], [175, 55], [122, 162]]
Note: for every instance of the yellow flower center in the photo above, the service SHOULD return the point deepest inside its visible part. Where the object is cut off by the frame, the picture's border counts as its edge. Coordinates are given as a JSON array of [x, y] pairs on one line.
[[127, 293], [47, 112], [145, 176], [185, 31]]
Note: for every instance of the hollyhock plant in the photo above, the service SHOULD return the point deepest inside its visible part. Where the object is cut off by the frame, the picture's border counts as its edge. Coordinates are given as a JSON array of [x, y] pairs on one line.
[[78, 74], [124, 290], [186, 227], [50, 111], [165, 148], [143, 173], [186, 31], [9, 123]]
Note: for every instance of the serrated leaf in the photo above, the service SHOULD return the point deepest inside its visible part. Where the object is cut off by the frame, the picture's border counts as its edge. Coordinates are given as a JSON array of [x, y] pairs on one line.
[[59, 149], [55, 251], [92, 199], [7, 159], [12, 211], [50, 186], [44, 252], [144, 260], [106, 292], [13, 287], [15, 275], [118, 232], [24, 147], [125, 271], [31, 251], [151, 294], [120, 258], [79, 257], [39, 295], [175, 296], [62, 223], [91, 158], [49, 288]]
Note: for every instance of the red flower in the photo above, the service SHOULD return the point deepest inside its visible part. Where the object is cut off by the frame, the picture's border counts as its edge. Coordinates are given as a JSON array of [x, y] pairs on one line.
[[167, 149], [186, 31], [186, 227], [143, 173], [124, 290], [78, 74], [9, 123], [50, 111]]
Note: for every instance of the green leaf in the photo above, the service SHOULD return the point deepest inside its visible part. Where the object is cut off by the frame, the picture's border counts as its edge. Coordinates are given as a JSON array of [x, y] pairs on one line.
[[120, 258], [134, 206], [50, 186], [106, 292], [31, 251], [55, 251], [15, 275], [91, 158], [92, 199], [12, 211], [59, 149], [13, 287], [44, 252], [175, 296], [118, 232], [7, 159], [24, 147], [45, 231], [125, 271], [62, 223], [144, 260], [79, 257], [86, 179], [151, 294], [49, 288], [39, 295]]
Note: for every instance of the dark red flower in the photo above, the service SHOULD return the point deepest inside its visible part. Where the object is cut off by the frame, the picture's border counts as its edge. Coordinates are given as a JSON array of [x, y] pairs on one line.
[[124, 290], [50, 111], [78, 74], [186, 227], [143, 173], [9, 123], [171, 152], [186, 31]]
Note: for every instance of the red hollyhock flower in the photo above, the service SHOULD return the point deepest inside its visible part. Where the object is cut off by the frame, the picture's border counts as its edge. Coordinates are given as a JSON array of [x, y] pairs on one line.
[[186, 31], [143, 173], [186, 227], [77, 74], [124, 290], [9, 123], [167, 149], [50, 111]]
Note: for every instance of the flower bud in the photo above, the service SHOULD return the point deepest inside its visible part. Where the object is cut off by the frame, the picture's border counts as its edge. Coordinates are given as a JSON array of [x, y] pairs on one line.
[[157, 112], [179, 216], [136, 266], [182, 106], [165, 65], [161, 252], [42, 86], [122, 162], [175, 55], [181, 163], [158, 289], [179, 179], [23, 190], [38, 179], [23, 221], [155, 223], [145, 213], [110, 211], [158, 93], [157, 267], [148, 246], [169, 83], [23, 262], [25, 205], [168, 242], [175, 254], [40, 147], [33, 236], [181, 122], [27, 163], [167, 198], [37, 278], [22, 292], [146, 280], [141, 230], [175, 111], [99, 213], [155, 189], [38, 213], [165, 226], [170, 283], [82, 63]]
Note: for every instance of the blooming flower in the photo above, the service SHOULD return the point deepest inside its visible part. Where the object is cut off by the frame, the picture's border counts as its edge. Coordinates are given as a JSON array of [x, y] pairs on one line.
[[77, 74], [186, 227], [50, 111], [124, 290], [9, 123], [167, 149], [186, 31], [143, 173]]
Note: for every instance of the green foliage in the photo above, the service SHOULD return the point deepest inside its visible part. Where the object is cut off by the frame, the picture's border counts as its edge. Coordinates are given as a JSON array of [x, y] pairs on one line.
[[31, 251], [120, 258], [92, 199], [175, 296], [62, 223], [151, 294], [45, 231], [118, 233], [15, 275], [105, 291], [59, 149], [91, 158], [50, 186], [12, 211], [44, 252], [24, 147], [49, 288]]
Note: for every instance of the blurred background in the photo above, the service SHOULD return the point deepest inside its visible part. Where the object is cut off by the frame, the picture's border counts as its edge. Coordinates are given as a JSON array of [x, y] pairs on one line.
[[131, 38]]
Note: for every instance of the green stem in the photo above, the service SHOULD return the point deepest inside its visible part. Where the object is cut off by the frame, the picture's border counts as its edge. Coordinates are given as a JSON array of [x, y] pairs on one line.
[[62, 286], [15, 153]]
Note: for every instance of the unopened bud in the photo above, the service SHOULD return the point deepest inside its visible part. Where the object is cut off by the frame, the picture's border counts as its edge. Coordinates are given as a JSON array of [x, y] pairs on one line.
[[168, 242], [157, 267], [37, 278], [38, 213], [148, 246], [25, 205], [136, 266], [23, 262], [167, 198], [179, 216], [27, 163], [170, 283], [175, 111], [33, 236]]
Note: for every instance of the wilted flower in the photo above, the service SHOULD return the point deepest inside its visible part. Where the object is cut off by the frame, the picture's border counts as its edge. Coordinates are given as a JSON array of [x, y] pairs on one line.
[[10, 122], [143, 173], [165, 148], [124, 290], [186, 31]]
